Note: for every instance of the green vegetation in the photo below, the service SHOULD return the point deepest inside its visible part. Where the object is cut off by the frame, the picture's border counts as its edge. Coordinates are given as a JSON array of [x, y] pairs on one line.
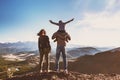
[[22, 65]]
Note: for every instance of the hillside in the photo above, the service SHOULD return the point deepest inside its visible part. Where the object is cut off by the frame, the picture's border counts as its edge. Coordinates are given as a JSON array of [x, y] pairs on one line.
[[103, 65], [63, 76], [77, 52], [104, 62]]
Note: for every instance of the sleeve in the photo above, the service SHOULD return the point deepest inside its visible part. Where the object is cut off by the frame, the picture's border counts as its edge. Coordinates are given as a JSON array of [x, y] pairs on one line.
[[54, 23], [48, 43], [69, 21], [54, 36], [39, 44], [68, 37]]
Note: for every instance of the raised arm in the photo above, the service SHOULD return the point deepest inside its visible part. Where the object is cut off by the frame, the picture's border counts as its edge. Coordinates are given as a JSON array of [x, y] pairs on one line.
[[53, 22], [69, 21], [54, 36]]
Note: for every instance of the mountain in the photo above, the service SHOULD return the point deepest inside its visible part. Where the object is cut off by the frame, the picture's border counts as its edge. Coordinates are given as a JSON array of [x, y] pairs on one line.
[[26, 46], [103, 62], [103, 65], [20, 56], [17, 47], [77, 52], [116, 49], [72, 53], [73, 50]]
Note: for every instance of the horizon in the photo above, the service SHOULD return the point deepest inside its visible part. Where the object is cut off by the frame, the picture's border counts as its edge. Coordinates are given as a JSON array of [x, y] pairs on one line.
[[69, 45], [96, 22]]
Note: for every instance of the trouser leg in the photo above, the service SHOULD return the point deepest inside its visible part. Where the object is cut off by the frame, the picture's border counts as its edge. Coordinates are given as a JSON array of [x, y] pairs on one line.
[[64, 57], [47, 59], [57, 57], [41, 60]]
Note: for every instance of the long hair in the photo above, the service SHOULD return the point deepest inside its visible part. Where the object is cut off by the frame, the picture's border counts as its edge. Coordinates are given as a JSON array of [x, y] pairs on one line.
[[41, 31]]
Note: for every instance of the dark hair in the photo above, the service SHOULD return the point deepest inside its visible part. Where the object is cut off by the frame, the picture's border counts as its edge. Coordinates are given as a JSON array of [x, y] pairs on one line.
[[60, 21], [40, 33]]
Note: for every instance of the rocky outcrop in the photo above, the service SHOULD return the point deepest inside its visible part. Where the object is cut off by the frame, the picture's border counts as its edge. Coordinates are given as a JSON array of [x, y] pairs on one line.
[[64, 76]]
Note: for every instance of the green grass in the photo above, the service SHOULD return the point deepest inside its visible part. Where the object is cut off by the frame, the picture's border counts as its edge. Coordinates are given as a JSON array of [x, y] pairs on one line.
[[4, 64]]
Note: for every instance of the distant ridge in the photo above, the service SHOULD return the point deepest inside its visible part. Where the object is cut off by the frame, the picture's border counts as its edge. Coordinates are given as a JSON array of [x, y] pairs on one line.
[[77, 52], [17, 47], [103, 62]]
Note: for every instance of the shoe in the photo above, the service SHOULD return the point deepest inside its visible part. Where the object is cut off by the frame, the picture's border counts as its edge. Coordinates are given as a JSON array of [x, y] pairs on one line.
[[66, 71], [48, 71], [41, 71], [58, 70]]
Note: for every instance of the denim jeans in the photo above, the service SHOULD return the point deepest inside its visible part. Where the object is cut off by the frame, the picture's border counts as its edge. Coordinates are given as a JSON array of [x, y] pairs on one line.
[[60, 49]]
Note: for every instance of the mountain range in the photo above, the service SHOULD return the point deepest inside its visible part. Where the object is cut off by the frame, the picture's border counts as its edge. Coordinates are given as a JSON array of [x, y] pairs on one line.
[[87, 60], [77, 52], [17, 47], [100, 66], [102, 62], [13, 51]]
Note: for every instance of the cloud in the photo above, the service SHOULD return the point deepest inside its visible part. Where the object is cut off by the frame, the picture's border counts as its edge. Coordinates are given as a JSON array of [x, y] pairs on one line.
[[89, 5], [99, 28], [112, 4], [101, 20], [107, 19]]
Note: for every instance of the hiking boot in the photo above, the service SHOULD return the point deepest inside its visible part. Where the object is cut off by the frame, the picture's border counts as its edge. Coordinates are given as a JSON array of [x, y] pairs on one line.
[[66, 71], [41, 71], [57, 70], [47, 71]]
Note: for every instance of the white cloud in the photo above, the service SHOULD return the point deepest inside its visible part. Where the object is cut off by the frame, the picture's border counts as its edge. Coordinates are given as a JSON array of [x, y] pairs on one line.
[[101, 20], [99, 29], [112, 4], [107, 19]]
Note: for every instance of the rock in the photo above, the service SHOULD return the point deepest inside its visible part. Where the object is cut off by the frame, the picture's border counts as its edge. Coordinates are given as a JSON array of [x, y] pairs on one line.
[[63, 76]]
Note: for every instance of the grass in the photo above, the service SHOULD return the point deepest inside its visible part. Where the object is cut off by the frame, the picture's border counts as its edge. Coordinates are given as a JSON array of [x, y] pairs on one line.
[[4, 65]]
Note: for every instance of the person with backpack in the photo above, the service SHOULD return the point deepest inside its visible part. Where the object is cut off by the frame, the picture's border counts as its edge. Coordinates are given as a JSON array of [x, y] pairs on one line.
[[44, 49]]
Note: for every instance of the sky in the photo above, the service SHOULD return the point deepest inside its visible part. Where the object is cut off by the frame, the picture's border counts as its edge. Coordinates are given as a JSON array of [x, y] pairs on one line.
[[96, 22]]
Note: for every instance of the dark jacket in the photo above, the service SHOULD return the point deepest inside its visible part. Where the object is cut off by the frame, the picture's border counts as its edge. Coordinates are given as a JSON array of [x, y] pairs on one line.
[[43, 42]]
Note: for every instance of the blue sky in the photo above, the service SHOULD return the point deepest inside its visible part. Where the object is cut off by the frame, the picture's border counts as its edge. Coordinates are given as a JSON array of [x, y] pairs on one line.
[[96, 21]]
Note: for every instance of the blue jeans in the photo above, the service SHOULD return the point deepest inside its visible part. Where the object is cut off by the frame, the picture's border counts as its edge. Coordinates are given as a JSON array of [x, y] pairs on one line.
[[60, 49]]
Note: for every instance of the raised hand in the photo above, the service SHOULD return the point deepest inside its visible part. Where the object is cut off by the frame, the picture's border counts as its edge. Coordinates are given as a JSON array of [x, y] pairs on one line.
[[72, 19], [50, 21]]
